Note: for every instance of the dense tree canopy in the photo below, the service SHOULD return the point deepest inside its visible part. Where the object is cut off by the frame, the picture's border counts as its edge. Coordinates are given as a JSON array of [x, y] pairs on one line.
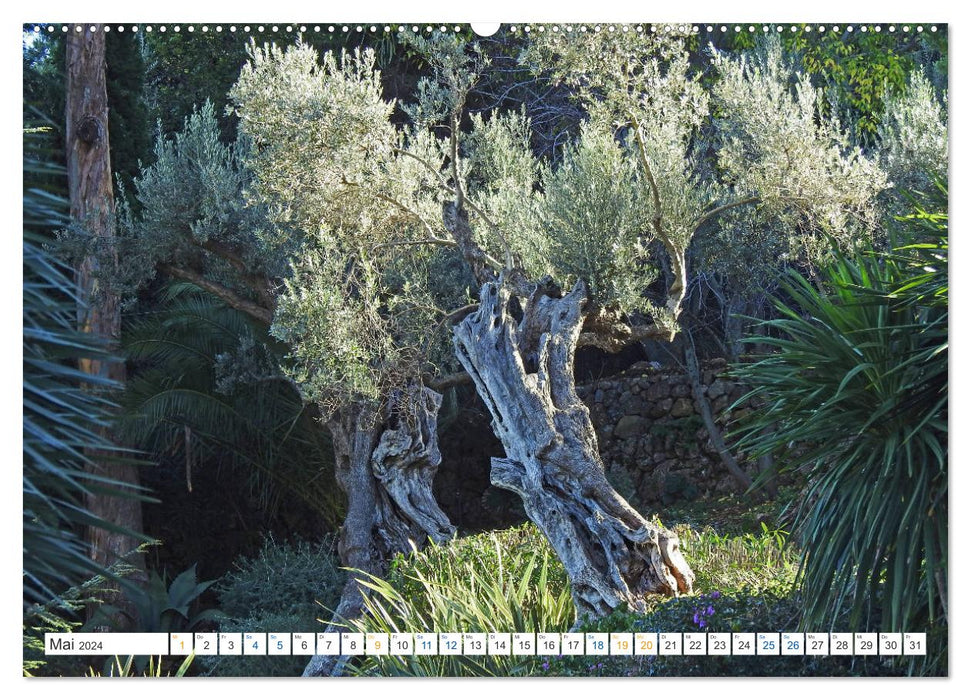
[[747, 172]]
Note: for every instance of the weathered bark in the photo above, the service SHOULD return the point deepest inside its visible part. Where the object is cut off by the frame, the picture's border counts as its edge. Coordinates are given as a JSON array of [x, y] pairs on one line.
[[524, 373], [385, 464], [404, 463], [99, 311], [714, 433], [355, 432]]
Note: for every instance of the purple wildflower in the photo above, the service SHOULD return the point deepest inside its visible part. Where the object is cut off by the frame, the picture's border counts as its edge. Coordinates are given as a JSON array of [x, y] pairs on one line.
[[710, 611]]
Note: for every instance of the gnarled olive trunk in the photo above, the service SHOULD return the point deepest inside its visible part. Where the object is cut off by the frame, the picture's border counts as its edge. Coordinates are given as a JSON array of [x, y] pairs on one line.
[[385, 464], [404, 464], [524, 373]]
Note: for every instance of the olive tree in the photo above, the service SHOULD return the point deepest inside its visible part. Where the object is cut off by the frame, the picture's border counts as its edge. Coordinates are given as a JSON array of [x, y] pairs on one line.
[[913, 133], [351, 321], [358, 314], [660, 161], [589, 251]]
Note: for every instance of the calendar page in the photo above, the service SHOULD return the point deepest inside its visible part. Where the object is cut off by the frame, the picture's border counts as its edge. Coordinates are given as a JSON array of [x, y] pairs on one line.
[[524, 349]]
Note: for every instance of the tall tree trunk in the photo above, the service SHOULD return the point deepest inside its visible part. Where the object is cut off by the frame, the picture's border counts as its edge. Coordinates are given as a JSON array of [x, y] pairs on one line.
[[524, 373], [99, 313], [385, 464]]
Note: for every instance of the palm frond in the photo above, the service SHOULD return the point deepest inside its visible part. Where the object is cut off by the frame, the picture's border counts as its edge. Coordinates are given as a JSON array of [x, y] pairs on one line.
[[62, 420], [179, 403]]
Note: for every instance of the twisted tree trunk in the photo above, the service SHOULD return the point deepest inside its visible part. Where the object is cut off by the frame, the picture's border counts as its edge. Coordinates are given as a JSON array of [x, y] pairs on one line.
[[524, 373], [404, 464], [385, 464], [355, 432]]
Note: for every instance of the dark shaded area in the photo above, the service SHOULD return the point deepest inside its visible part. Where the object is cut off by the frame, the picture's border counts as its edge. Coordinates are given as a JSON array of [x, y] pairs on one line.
[[462, 485], [221, 519], [592, 363]]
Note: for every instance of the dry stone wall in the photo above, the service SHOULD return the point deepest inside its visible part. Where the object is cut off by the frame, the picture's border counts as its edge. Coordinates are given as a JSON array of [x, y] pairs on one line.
[[653, 441]]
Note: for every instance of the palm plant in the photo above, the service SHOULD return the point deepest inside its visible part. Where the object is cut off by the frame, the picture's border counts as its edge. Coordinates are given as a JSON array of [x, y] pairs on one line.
[[206, 391], [855, 395], [65, 410]]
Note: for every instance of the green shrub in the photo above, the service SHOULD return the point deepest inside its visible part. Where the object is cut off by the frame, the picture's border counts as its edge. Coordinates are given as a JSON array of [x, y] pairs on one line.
[[748, 562], [745, 583], [497, 582], [288, 577], [284, 588], [262, 666]]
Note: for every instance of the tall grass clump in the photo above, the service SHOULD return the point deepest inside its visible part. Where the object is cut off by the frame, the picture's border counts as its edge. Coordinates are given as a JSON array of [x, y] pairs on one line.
[[497, 582]]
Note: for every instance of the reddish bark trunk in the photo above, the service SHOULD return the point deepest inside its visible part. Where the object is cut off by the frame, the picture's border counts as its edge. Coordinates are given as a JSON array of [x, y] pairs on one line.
[[99, 312]]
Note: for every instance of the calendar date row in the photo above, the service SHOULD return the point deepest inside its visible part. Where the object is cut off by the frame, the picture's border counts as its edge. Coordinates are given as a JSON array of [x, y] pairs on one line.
[[492, 644]]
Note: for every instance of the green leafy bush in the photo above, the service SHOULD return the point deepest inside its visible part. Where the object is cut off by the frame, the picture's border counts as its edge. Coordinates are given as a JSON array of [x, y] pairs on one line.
[[286, 587], [283, 577], [745, 584], [753, 563], [498, 582]]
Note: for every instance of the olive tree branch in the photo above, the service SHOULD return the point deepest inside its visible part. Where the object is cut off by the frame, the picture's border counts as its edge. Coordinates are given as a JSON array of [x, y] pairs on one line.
[[679, 285], [401, 205], [472, 206], [712, 213]]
